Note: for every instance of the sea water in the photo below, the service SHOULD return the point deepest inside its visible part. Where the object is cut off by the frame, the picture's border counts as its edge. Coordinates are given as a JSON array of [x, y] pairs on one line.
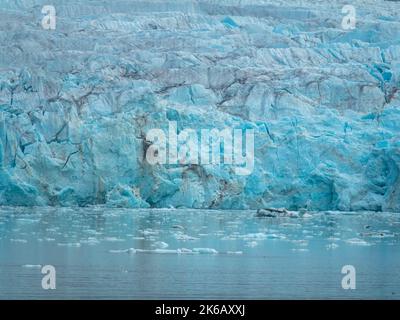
[[103, 253]]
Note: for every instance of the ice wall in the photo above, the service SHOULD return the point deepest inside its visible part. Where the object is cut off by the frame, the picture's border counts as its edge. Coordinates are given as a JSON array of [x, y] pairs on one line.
[[76, 102]]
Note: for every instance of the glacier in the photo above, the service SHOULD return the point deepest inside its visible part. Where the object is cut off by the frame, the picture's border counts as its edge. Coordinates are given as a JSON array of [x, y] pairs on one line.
[[324, 102]]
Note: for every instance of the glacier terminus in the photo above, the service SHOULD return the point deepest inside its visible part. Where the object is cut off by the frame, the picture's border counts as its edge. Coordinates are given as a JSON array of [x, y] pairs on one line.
[[320, 92]]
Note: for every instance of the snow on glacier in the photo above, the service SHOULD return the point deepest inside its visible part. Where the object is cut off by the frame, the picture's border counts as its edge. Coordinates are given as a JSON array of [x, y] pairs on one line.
[[76, 102]]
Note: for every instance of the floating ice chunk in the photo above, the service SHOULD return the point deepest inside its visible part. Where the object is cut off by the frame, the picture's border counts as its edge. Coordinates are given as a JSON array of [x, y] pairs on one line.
[[160, 244], [333, 239], [234, 252], [230, 237], [275, 236], [205, 250], [378, 234], [117, 251], [276, 213], [254, 236], [358, 242], [130, 251], [19, 240], [113, 239], [184, 251], [90, 241], [93, 232], [71, 244], [300, 250], [159, 251], [184, 237], [302, 243], [252, 244], [32, 266], [291, 225], [332, 246], [149, 232]]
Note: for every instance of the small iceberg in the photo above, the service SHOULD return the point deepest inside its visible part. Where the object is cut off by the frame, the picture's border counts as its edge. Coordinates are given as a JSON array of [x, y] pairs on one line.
[[332, 246], [358, 242], [130, 251], [73, 244], [19, 240], [113, 239], [205, 250], [234, 252], [184, 251], [276, 213], [252, 244], [184, 237], [160, 245], [32, 266]]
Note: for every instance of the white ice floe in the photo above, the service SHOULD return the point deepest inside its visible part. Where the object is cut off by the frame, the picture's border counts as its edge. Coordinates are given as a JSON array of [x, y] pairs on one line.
[[252, 244], [19, 240], [358, 242], [32, 266], [253, 236], [302, 243], [378, 234], [71, 244], [159, 251], [149, 232], [184, 237], [154, 251], [130, 251], [333, 239], [113, 239], [184, 251], [160, 245], [234, 252], [90, 241], [300, 250], [276, 236], [332, 246], [205, 250]]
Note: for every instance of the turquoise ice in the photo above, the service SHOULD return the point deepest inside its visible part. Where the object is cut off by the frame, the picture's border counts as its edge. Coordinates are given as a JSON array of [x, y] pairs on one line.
[[76, 102]]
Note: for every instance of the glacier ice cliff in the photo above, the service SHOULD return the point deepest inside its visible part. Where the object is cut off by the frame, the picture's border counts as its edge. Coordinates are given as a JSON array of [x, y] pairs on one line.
[[76, 102]]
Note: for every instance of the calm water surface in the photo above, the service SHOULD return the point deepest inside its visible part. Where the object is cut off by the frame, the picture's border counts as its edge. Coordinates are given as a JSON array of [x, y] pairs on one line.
[[196, 254]]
